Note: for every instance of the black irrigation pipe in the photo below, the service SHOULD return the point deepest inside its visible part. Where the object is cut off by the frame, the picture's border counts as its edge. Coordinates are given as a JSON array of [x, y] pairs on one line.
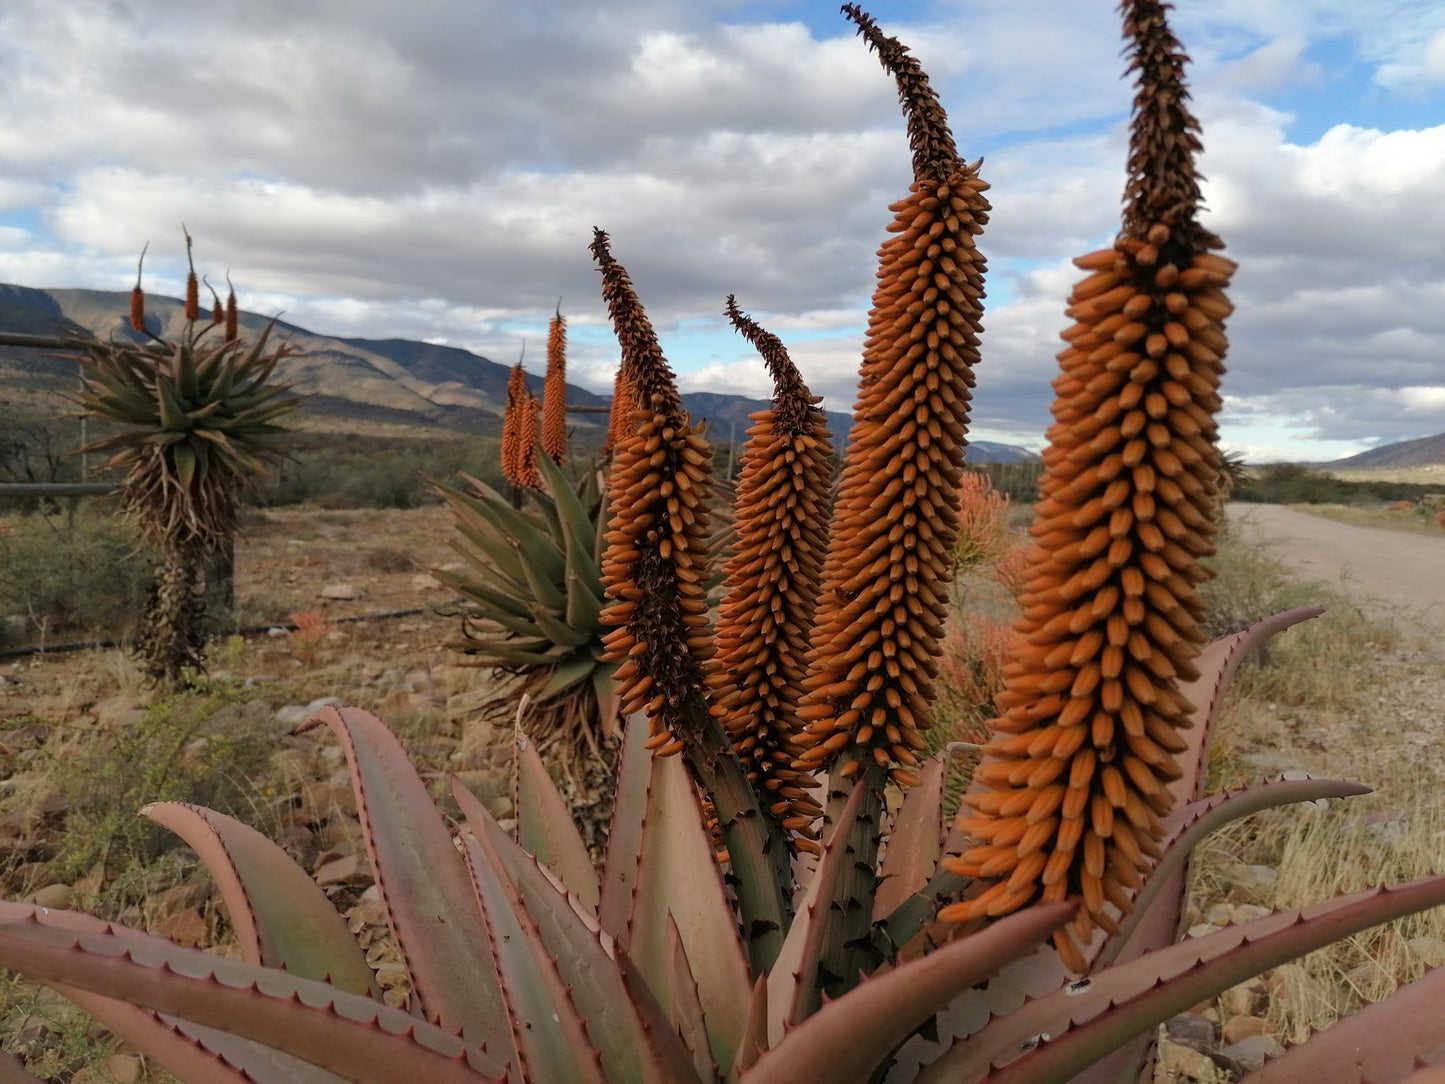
[[249, 630]]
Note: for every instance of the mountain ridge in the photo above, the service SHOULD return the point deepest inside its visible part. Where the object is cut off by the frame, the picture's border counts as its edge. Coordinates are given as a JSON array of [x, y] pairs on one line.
[[394, 384], [1420, 452]]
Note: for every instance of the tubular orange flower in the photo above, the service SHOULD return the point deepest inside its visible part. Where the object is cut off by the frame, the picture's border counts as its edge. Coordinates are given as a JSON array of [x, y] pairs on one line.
[[193, 285], [656, 552], [880, 614], [554, 390], [620, 417], [1076, 779], [772, 585], [529, 421], [512, 423]]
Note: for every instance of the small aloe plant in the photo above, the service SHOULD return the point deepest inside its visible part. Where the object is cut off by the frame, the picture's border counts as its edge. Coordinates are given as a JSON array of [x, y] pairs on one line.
[[777, 965]]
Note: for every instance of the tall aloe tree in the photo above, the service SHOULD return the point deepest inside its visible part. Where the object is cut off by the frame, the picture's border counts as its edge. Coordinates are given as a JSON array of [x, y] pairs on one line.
[[198, 421]]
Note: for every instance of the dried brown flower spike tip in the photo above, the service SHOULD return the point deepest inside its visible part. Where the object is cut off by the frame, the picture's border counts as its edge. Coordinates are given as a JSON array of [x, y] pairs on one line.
[[138, 297], [554, 390], [1077, 776], [193, 285], [772, 586], [884, 596], [656, 552]]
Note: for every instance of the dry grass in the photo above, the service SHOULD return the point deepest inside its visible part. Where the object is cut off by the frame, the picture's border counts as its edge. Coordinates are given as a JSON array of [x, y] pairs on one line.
[[1412, 519], [1347, 697]]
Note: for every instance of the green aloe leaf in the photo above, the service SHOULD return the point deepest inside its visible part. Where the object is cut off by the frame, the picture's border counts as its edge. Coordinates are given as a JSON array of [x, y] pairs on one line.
[[282, 919]]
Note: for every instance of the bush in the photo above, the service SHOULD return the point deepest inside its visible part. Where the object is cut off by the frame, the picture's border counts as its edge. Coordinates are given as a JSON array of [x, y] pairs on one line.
[[1291, 483], [91, 575]]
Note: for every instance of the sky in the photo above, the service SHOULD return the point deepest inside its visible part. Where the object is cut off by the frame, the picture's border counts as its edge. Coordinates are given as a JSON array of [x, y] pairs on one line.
[[433, 170]]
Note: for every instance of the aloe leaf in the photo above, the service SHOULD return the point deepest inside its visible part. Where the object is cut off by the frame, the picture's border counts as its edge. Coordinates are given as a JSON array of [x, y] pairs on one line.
[[1088, 1019], [577, 524], [497, 601], [685, 1005], [624, 837], [609, 704], [915, 844], [677, 879], [631, 1044], [550, 1038], [566, 675], [847, 948], [1382, 1042], [795, 987], [584, 585], [13, 1072], [656, 1022], [546, 829], [1216, 665], [558, 631], [354, 1037], [522, 531], [856, 1033], [755, 1036], [424, 885], [1186, 828], [185, 460], [281, 918]]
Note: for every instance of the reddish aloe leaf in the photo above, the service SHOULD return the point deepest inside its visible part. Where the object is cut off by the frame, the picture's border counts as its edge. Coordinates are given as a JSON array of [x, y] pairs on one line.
[[624, 838], [685, 1007], [546, 829], [281, 918], [795, 987], [632, 1047], [755, 1035], [1381, 1043], [1086, 1020], [354, 1037], [12, 1072], [855, 1034], [915, 844], [550, 1038], [1216, 665], [678, 879], [1423, 1074], [187, 1050], [1187, 827], [656, 1024], [424, 884]]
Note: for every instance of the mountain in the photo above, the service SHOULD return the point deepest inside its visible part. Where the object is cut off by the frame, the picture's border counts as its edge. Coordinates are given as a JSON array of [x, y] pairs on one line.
[[1423, 452], [390, 387]]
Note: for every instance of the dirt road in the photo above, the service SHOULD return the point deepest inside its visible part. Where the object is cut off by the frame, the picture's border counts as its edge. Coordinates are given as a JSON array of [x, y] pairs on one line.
[[1390, 573]]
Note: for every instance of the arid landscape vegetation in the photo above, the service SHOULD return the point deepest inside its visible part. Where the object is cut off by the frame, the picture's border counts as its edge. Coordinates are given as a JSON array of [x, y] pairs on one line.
[[458, 724]]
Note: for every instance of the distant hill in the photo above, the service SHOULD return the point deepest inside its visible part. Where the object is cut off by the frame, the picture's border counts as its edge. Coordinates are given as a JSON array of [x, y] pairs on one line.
[[1423, 452], [382, 386]]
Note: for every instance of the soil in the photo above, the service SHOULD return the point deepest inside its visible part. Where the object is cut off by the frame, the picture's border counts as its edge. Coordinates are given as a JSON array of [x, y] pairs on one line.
[[1390, 574]]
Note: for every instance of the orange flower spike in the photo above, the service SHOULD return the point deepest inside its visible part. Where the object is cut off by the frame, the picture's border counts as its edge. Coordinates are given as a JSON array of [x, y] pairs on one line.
[[554, 390], [653, 568], [772, 581], [512, 423], [193, 284], [529, 422], [1090, 713], [881, 609], [137, 297]]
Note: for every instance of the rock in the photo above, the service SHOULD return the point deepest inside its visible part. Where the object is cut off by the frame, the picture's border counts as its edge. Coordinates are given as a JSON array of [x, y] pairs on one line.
[[186, 928], [1202, 929], [423, 581], [416, 681], [1179, 1063], [1251, 884], [1294, 993], [340, 592], [1191, 1030], [1371, 979], [351, 869], [54, 897], [172, 901], [1217, 913], [323, 702], [291, 715], [1246, 999], [1431, 950], [321, 801], [1272, 763], [1251, 1053], [1242, 1027], [277, 633], [1248, 912], [116, 1069]]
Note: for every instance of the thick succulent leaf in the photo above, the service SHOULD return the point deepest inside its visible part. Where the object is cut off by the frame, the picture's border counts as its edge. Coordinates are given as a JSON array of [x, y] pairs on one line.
[[1089, 1018], [678, 880], [424, 884], [558, 631], [795, 986], [12, 1072], [755, 1035], [915, 843], [577, 527], [1216, 665], [522, 532], [354, 1037], [542, 584], [550, 1038], [632, 1047], [1186, 828], [282, 919], [657, 1023], [624, 837], [546, 829], [854, 1035], [685, 1007], [1381, 1044]]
